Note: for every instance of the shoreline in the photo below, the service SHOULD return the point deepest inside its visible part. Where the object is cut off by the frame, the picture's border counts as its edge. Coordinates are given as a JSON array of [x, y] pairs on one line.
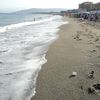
[[74, 51]]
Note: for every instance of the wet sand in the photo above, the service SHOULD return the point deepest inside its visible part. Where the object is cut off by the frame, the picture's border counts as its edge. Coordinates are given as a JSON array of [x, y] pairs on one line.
[[77, 49]]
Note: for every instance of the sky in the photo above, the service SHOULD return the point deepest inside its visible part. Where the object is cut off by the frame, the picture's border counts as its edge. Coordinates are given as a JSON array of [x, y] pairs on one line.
[[25, 4]]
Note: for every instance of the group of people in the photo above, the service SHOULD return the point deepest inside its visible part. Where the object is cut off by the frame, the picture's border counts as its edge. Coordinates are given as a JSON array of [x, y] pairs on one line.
[[91, 16]]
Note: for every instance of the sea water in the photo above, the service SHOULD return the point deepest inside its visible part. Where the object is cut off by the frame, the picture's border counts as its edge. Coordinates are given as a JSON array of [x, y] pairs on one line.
[[24, 41]]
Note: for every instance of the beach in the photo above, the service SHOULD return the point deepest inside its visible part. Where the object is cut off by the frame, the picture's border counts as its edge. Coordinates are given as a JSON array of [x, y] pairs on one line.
[[76, 50]]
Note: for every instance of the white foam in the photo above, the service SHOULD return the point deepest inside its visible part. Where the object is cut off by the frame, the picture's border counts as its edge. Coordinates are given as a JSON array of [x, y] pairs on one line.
[[28, 46]]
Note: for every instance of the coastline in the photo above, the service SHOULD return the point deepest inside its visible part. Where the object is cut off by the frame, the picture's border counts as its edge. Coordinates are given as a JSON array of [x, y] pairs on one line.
[[67, 54]]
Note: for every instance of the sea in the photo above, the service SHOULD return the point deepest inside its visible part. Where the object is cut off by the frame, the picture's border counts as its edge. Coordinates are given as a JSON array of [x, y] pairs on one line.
[[24, 42]]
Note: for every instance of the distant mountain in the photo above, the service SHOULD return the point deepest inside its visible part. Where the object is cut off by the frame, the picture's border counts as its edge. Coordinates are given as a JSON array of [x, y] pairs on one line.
[[36, 10], [9, 10]]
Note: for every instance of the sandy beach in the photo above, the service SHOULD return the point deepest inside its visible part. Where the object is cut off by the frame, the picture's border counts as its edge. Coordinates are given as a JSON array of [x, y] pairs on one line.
[[76, 50]]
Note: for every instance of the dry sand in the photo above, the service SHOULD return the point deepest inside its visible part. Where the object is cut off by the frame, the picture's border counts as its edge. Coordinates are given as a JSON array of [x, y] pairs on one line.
[[77, 49]]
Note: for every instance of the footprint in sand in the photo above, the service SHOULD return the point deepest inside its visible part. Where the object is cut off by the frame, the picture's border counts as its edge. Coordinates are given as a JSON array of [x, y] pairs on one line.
[[93, 51]]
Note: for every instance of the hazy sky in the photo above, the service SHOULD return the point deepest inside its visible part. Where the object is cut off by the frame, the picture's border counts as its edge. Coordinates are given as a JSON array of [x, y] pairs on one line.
[[20, 4]]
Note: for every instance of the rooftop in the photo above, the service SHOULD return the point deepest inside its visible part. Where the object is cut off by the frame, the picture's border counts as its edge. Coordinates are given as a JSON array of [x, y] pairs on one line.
[[87, 3]]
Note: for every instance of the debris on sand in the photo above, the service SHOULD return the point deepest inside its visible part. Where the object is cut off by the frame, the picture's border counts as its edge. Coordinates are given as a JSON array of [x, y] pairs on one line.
[[95, 88], [91, 75], [97, 39], [93, 51], [77, 37], [73, 74], [81, 87], [91, 90]]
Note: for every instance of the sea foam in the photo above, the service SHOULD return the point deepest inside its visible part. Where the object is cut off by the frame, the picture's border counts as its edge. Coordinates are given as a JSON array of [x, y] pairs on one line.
[[23, 47]]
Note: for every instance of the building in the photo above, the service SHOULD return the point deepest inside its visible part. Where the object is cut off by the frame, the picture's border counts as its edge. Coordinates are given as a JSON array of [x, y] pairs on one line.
[[87, 6], [97, 6]]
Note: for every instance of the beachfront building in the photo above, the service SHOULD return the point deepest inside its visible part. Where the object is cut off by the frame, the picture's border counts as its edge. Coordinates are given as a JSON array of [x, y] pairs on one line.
[[97, 6], [87, 6]]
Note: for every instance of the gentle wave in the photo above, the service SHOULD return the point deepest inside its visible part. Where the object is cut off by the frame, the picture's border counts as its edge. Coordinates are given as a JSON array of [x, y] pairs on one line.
[[12, 26]]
